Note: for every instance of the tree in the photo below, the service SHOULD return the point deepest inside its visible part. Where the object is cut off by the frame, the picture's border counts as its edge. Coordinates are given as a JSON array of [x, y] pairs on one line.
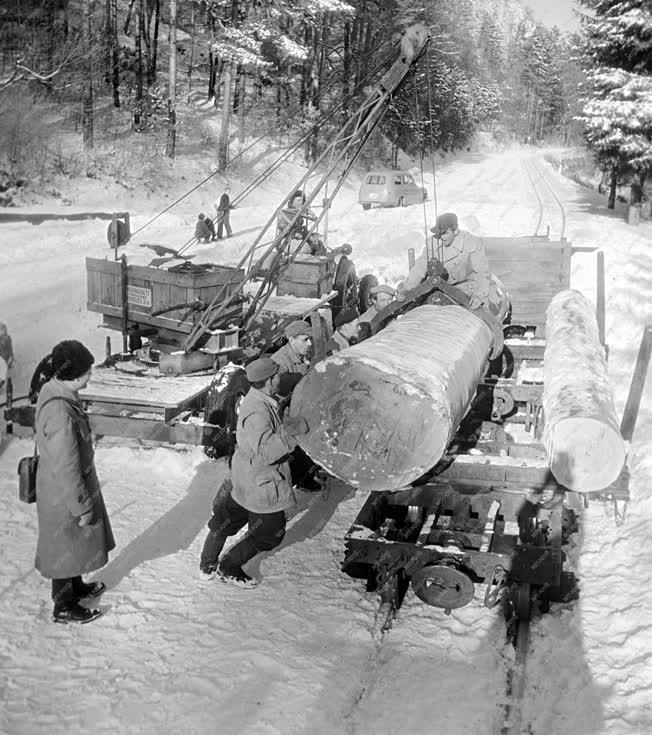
[[172, 90], [617, 115]]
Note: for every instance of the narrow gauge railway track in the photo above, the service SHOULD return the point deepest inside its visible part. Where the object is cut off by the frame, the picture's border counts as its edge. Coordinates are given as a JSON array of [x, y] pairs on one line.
[[509, 718], [546, 197]]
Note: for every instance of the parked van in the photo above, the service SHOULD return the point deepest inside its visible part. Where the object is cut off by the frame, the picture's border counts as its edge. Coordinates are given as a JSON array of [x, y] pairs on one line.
[[388, 188]]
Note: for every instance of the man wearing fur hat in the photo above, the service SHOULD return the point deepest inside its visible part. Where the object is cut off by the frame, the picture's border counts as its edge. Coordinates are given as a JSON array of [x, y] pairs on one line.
[[381, 296], [261, 482], [465, 260]]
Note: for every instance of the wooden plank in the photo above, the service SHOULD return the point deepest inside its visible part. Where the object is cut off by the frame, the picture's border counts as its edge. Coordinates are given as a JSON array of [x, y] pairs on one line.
[[146, 429], [113, 386]]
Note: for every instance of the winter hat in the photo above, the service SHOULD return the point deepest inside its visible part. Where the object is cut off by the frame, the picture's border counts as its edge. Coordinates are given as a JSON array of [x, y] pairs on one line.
[[446, 221], [294, 329], [382, 289], [70, 360], [261, 369], [201, 215]]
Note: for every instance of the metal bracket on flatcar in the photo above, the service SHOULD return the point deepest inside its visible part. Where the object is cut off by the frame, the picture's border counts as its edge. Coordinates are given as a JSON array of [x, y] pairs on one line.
[[495, 587]]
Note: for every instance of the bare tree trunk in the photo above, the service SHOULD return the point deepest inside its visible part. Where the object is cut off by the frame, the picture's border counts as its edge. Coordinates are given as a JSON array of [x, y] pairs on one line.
[[108, 42], [172, 94], [223, 145], [346, 68], [87, 100], [212, 75], [304, 94], [138, 106], [151, 72], [192, 49], [218, 83], [612, 188], [115, 54], [241, 110]]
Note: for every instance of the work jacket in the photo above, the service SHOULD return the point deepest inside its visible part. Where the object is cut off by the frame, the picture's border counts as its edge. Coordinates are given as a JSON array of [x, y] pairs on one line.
[[224, 204], [467, 265], [260, 470], [289, 362], [67, 487]]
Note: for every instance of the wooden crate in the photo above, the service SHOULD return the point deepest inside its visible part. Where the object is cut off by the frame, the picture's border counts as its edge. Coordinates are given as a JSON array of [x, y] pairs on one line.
[[532, 272], [151, 289], [307, 277]]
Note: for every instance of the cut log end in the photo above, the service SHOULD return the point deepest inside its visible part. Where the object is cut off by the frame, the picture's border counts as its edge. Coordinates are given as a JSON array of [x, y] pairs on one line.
[[576, 444], [376, 432]]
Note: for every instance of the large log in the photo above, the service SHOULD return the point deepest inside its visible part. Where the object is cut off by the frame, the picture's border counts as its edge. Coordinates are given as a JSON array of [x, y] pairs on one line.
[[381, 413], [585, 449]]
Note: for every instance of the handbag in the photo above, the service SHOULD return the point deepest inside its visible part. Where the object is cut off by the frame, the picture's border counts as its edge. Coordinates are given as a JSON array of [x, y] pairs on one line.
[[27, 468]]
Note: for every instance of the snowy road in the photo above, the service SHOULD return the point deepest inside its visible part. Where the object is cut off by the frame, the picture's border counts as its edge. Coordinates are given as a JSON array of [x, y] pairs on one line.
[[296, 655]]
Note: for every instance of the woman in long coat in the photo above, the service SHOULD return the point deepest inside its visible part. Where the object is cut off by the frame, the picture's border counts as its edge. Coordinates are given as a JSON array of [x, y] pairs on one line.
[[74, 531]]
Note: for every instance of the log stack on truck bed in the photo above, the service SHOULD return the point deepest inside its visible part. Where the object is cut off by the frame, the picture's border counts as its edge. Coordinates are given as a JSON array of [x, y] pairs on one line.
[[381, 413], [582, 438]]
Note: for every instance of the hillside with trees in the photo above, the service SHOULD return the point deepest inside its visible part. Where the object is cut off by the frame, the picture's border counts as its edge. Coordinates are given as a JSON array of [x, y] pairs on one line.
[[116, 83]]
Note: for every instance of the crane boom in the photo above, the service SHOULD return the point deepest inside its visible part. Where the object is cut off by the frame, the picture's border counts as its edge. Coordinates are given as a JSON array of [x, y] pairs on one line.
[[346, 147]]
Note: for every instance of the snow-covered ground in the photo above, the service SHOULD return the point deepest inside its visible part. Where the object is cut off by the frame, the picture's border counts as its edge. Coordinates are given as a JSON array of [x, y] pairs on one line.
[[296, 655]]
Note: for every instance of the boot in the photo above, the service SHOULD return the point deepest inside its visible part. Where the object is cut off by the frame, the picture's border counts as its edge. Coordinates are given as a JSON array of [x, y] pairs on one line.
[[237, 577], [74, 613], [91, 590]]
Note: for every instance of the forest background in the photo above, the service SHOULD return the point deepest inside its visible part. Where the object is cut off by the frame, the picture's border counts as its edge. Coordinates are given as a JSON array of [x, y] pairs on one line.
[[89, 87]]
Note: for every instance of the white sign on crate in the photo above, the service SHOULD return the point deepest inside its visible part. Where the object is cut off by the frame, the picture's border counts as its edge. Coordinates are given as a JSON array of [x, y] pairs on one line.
[[139, 296]]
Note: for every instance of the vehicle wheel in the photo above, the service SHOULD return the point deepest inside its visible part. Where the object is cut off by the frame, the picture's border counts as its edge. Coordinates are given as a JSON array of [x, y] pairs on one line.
[[223, 400], [366, 206], [364, 287], [425, 195], [400, 202], [345, 283]]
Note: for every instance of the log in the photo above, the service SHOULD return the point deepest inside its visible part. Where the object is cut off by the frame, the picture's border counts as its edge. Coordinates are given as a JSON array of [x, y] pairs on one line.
[[382, 413], [585, 450]]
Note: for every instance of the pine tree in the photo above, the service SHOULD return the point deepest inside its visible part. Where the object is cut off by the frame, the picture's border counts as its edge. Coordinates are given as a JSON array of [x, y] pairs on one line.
[[618, 113]]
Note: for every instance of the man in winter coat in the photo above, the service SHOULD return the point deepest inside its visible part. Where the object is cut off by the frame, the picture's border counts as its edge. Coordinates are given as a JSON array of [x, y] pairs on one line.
[[381, 296], [466, 262], [293, 357], [223, 210], [204, 228], [6, 353], [75, 535], [261, 483], [6, 348]]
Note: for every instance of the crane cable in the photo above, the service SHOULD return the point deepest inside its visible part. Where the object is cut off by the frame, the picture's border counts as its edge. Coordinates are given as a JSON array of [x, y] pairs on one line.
[[238, 155]]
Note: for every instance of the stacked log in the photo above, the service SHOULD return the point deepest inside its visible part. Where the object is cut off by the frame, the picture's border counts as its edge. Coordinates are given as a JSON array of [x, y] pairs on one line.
[[382, 413], [585, 449]]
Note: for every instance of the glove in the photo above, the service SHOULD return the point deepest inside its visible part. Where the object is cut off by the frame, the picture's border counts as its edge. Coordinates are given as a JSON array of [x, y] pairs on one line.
[[296, 425], [85, 519], [400, 292]]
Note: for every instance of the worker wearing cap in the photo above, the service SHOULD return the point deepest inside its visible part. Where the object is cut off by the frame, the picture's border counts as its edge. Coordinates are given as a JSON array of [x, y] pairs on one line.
[[293, 357], [261, 481], [381, 296], [465, 260]]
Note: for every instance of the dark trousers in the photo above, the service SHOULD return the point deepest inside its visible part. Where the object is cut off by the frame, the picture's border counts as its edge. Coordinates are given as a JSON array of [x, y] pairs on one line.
[[222, 222], [67, 591], [266, 531]]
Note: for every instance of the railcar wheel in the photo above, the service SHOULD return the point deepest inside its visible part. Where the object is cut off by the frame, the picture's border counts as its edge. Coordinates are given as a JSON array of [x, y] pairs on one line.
[[443, 586], [364, 296], [345, 283]]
